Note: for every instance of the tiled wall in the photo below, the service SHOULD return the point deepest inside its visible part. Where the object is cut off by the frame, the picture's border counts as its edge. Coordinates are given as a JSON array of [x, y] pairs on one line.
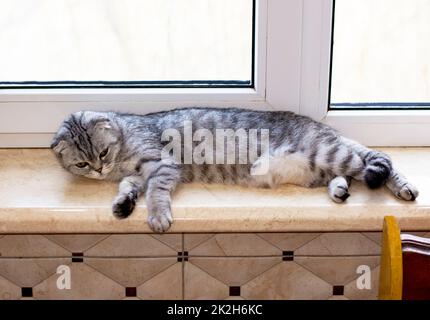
[[190, 266]]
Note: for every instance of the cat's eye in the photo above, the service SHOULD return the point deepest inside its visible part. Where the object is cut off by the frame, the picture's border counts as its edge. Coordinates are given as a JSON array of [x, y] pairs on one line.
[[82, 164], [104, 153]]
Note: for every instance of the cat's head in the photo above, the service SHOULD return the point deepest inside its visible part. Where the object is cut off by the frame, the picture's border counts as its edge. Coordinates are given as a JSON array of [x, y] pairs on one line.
[[87, 144]]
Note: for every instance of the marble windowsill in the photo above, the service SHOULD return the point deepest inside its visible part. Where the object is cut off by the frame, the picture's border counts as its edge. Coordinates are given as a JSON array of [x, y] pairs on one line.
[[38, 196]]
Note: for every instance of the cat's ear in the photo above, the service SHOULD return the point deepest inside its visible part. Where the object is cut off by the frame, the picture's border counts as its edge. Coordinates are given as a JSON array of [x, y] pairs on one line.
[[58, 146], [59, 143], [103, 124]]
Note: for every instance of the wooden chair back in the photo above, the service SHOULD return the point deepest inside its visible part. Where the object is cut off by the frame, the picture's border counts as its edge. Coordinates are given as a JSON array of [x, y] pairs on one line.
[[405, 265]]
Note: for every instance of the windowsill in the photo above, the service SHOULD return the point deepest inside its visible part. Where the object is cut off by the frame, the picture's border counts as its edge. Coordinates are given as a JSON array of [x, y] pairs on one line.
[[38, 196]]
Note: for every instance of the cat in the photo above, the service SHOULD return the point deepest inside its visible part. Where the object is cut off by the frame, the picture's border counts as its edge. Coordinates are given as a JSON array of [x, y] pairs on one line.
[[130, 148]]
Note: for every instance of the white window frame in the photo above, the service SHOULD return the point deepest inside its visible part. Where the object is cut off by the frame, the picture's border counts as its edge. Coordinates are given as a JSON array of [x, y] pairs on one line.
[[292, 72]]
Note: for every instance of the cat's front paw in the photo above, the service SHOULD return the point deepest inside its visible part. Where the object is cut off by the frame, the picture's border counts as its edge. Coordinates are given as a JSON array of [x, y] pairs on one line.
[[123, 206], [160, 222], [408, 192]]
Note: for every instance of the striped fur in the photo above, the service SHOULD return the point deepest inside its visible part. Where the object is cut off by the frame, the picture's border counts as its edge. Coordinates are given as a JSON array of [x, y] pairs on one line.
[[301, 152]]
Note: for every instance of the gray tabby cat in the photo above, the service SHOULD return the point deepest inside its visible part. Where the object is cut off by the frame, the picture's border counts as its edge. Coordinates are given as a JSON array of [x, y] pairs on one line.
[[127, 148]]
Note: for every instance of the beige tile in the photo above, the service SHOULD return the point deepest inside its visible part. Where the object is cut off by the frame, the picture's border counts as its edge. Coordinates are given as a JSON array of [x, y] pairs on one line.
[[198, 285], [174, 241], [286, 281], [192, 240], [338, 244], [354, 293], [418, 234], [336, 270], [29, 272], [234, 298], [18, 246], [235, 271], [130, 272], [374, 236], [86, 283], [289, 241], [338, 298], [8, 290], [130, 245], [131, 298], [235, 244], [76, 242], [166, 285]]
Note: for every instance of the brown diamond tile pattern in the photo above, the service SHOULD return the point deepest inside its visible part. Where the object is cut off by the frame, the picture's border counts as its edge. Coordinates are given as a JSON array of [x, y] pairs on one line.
[[358, 291], [166, 285], [8, 290], [191, 266], [338, 298], [76, 242], [235, 298], [130, 245], [339, 244], [18, 246], [130, 272], [417, 233], [199, 285], [174, 241], [86, 283], [235, 271], [337, 270], [287, 281], [29, 272], [420, 234], [193, 240], [374, 236], [235, 244], [288, 241]]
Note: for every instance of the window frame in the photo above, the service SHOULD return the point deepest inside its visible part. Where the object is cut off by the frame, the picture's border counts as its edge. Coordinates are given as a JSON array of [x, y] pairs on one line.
[[390, 126], [293, 42]]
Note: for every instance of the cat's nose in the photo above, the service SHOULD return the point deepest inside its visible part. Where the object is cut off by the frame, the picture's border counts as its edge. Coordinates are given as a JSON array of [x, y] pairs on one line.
[[99, 170]]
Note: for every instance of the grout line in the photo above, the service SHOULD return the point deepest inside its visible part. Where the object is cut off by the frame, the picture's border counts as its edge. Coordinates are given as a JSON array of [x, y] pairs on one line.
[[90, 257], [191, 257], [183, 265]]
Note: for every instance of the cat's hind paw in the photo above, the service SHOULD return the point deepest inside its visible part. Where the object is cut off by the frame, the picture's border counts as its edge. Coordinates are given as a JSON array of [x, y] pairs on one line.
[[338, 189], [160, 222], [408, 192], [339, 194]]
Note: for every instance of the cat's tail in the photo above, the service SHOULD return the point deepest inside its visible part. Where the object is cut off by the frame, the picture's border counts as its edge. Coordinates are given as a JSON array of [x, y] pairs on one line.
[[377, 169]]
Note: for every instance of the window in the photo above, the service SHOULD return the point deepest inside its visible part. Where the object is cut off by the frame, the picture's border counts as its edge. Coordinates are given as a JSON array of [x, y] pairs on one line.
[[275, 55], [381, 54], [380, 84], [110, 43]]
